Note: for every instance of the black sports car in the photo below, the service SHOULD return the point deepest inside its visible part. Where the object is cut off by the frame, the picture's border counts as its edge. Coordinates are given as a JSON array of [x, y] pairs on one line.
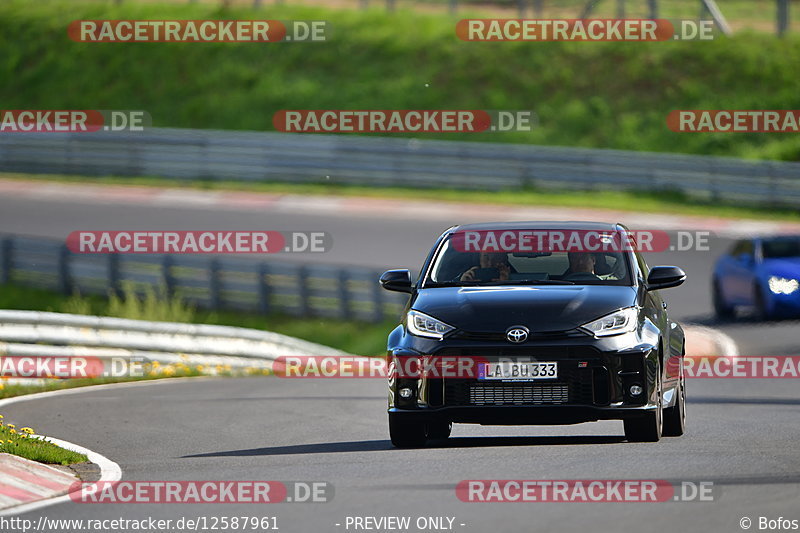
[[538, 334]]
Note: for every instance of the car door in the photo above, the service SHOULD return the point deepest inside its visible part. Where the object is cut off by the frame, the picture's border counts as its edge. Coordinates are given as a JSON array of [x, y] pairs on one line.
[[654, 307], [722, 272], [739, 290]]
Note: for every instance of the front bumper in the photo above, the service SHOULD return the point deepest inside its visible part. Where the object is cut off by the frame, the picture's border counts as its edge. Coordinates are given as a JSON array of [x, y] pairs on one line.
[[526, 415], [593, 383], [784, 305]]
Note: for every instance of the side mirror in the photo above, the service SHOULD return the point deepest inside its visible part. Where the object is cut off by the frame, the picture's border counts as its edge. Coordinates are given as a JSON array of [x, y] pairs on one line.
[[397, 280], [664, 277]]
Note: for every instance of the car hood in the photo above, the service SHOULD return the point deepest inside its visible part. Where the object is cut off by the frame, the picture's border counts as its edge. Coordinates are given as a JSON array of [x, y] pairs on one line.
[[788, 267], [541, 308]]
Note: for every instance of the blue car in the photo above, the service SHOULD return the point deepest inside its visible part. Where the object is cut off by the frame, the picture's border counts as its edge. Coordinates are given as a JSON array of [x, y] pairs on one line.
[[762, 273]]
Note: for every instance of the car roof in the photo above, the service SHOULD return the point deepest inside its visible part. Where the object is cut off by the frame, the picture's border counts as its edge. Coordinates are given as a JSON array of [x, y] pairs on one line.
[[538, 225]]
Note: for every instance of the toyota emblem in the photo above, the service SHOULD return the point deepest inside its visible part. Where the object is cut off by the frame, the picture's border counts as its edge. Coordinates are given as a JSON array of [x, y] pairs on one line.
[[517, 334]]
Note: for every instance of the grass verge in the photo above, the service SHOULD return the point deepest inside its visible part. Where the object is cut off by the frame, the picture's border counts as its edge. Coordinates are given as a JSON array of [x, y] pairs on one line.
[[670, 202], [598, 94], [18, 441], [8, 390]]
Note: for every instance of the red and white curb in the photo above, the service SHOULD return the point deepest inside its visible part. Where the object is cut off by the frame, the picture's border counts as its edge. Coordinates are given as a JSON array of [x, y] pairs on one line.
[[354, 206], [703, 341], [25, 487], [25, 481]]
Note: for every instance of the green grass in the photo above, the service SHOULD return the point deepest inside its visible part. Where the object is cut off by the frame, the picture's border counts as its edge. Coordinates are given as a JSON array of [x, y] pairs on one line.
[[15, 441], [8, 390], [607, 95], [673, 202]]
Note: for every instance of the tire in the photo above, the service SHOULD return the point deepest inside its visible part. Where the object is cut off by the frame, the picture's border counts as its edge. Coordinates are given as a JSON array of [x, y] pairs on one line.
[[675, 416], [721, 309], [439, 430], [406, 431], [761, 313], [647, 428]]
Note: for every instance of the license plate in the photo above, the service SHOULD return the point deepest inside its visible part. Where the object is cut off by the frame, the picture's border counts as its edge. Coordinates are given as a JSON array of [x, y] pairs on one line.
[[526, 371]]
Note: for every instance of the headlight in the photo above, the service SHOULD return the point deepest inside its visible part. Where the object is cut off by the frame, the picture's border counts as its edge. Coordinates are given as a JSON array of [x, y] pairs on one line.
[[621, 321], [780, 285], [423, 325]]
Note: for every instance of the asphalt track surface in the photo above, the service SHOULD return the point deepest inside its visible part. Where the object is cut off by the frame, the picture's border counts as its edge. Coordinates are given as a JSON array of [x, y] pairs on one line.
[[742, 435]]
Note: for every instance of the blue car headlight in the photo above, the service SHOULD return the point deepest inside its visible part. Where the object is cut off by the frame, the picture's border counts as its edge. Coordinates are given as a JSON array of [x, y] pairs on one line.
[[781, 285]]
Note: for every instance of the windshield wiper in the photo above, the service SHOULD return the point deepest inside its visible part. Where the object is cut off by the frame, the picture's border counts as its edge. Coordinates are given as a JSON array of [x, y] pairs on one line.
[[535, 282], [433, 284], [476, 283]]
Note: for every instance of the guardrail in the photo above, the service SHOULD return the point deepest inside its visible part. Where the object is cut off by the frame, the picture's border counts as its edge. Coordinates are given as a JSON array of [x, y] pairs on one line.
[[62, 329], [110, 340], [379, 161], [214, 282]]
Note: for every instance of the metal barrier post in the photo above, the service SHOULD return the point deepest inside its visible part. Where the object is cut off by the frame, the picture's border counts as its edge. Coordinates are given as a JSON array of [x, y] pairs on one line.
[[263, 288], [7, 263], [215, 284], [64, 275]]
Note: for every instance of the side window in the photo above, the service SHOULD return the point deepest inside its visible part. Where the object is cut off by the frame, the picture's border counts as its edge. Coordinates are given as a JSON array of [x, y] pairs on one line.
[[742, 247]]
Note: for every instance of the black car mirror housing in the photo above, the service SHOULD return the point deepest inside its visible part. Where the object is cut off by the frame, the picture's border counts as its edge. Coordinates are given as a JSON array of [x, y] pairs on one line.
[[664, 277], [397, 280]]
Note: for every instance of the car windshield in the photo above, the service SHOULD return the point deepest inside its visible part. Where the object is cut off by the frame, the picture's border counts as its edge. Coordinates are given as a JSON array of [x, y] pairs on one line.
[[781, 248], [452, 267]]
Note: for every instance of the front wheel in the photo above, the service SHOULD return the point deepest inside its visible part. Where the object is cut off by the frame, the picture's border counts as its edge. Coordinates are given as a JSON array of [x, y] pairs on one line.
[[760, 304], [407, 431], [721, 309], [649, 427], [675, 416]]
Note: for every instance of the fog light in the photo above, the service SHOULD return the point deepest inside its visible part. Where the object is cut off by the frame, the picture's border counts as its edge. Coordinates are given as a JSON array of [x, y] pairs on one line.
[[405, 392], [636, 390]]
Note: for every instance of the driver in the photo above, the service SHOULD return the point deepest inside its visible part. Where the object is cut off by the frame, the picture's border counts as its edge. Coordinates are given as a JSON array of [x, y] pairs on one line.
[[490, 260], [580, 263]]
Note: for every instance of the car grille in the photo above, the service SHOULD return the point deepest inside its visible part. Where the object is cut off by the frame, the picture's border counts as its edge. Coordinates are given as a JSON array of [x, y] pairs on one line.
[[501, 337], [575, 386], [518, 394]]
